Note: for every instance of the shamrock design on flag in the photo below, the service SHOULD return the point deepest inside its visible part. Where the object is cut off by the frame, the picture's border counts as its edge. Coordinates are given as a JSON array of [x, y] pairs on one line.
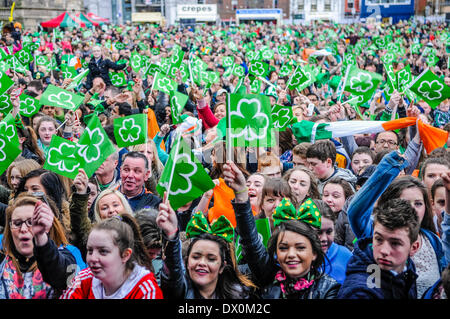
[[136, 61], [379, 42], [117, 80], [24, 56], [5, 103], [90, 151], [185, 169], [7, 130], [41, 60], [166, 84], [129, 132], [2, 153], [27, 106], [248, 120], [281, 118], [239, 70], [296, 79], [251, 55], [63, 157], [361, 82], [257, 68], [227, 61], [431, 90], [3, 66], [62, 99], [282, 50], [388, 57], [403, 76], [267, 54], [255, 86], [284, 70]]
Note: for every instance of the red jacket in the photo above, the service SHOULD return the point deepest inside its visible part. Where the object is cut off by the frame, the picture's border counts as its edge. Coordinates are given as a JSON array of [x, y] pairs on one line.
[[81, 287]]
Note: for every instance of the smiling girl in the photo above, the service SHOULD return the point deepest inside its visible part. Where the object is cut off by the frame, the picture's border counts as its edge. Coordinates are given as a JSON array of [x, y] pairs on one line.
[[291, 265], [118, 264], [209, 270]]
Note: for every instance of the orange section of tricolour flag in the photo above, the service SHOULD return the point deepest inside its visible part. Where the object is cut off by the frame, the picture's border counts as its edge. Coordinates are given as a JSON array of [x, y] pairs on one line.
[[399, 123], [153, 127], [432, 137]]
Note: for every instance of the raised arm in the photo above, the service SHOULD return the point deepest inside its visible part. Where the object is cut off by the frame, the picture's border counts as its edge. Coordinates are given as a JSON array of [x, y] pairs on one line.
[[360, 208], [257, 257]]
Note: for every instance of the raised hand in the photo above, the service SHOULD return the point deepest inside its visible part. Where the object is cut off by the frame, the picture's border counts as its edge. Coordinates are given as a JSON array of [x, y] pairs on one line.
[[167, 219]]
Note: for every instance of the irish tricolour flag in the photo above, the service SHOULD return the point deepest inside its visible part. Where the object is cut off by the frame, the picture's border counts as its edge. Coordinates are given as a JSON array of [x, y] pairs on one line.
[[306, 131]]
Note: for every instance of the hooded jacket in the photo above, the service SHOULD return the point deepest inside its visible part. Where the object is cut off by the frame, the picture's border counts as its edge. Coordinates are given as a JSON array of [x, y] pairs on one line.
[[362, 282]]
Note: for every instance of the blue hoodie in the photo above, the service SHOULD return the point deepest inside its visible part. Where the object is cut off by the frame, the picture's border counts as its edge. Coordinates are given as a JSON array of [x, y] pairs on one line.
[[338, 257], [358, 285]]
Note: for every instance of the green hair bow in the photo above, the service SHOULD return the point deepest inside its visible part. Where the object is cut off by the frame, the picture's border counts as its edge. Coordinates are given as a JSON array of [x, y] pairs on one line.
[[221, 227], [307, 213]]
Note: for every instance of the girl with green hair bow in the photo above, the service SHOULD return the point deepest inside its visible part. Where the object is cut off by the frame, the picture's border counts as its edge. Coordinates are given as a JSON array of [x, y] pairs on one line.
[[292, 264], [209, 269]]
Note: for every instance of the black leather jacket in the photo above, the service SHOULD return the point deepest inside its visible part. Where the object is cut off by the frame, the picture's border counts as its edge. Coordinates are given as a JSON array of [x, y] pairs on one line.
[[264, 268], [175, 281]]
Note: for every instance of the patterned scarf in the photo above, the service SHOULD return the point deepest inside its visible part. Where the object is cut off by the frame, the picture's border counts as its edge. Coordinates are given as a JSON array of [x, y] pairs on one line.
[[28, 286], [292, 286]]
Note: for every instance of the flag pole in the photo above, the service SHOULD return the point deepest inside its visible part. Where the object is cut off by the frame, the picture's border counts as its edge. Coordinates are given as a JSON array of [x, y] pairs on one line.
[[345, 81], [178, 139], [228, 131]]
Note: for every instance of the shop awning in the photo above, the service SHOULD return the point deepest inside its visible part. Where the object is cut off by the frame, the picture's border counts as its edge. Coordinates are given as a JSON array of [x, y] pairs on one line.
[[64, 20]]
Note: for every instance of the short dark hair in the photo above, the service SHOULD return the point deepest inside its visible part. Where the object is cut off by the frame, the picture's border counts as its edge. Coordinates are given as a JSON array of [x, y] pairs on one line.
[[437, 183], [134, 154], [398, 213], [348, 190], [322, 150], [364, 150]]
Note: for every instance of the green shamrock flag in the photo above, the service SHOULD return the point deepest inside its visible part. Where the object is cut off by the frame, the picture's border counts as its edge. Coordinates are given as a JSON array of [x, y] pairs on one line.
[[284, 49], [255, 86], [94, 146], [404, 77], [298, 79], [163, 83], [58, 97], [136, 61], [130, 130], [5, 83], [430, 88], [237, 70], [28, 106], [118, 78], [62, 157], [267, 54], [152, 69], [5, 103], [361, 82], [282, 117], [415, 48], [183, 177], [177, 102], [77, 79], [8, 129], [249, 120], [68, 72], [227, 61], [432, 59], [9, 143], [24, 56], [389, 57], [4, 66], [258, 68], [285, 70]]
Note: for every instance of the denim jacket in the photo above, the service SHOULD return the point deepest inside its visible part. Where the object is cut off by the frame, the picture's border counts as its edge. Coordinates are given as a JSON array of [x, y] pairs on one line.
[[361, 207]]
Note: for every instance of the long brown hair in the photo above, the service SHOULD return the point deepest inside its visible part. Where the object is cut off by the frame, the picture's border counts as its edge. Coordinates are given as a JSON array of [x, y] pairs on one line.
[[56, 234]]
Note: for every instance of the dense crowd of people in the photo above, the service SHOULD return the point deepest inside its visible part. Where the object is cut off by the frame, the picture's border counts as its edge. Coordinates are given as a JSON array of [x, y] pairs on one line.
[[364, 216]]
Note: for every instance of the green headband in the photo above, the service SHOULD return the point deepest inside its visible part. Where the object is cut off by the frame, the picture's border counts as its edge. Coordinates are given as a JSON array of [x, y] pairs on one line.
[[307, 213], [220, 227]]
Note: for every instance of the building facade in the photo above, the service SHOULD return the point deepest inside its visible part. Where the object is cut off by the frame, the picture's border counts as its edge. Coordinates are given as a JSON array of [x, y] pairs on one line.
[[389, 11], [32, 12], [307, 11]]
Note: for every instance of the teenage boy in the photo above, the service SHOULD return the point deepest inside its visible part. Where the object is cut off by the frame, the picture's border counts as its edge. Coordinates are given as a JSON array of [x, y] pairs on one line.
[[321, 159], [381, 267]]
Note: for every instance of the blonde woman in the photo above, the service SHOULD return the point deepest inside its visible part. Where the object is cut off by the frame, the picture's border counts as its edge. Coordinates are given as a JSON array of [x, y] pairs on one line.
[[17, 170], [110, 202]]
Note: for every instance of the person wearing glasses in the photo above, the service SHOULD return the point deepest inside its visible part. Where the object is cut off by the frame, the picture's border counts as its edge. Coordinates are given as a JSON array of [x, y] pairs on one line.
[[35, 262]]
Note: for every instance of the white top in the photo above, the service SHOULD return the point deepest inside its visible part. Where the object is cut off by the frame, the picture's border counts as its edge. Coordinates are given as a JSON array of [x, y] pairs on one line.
[[427, 267]]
